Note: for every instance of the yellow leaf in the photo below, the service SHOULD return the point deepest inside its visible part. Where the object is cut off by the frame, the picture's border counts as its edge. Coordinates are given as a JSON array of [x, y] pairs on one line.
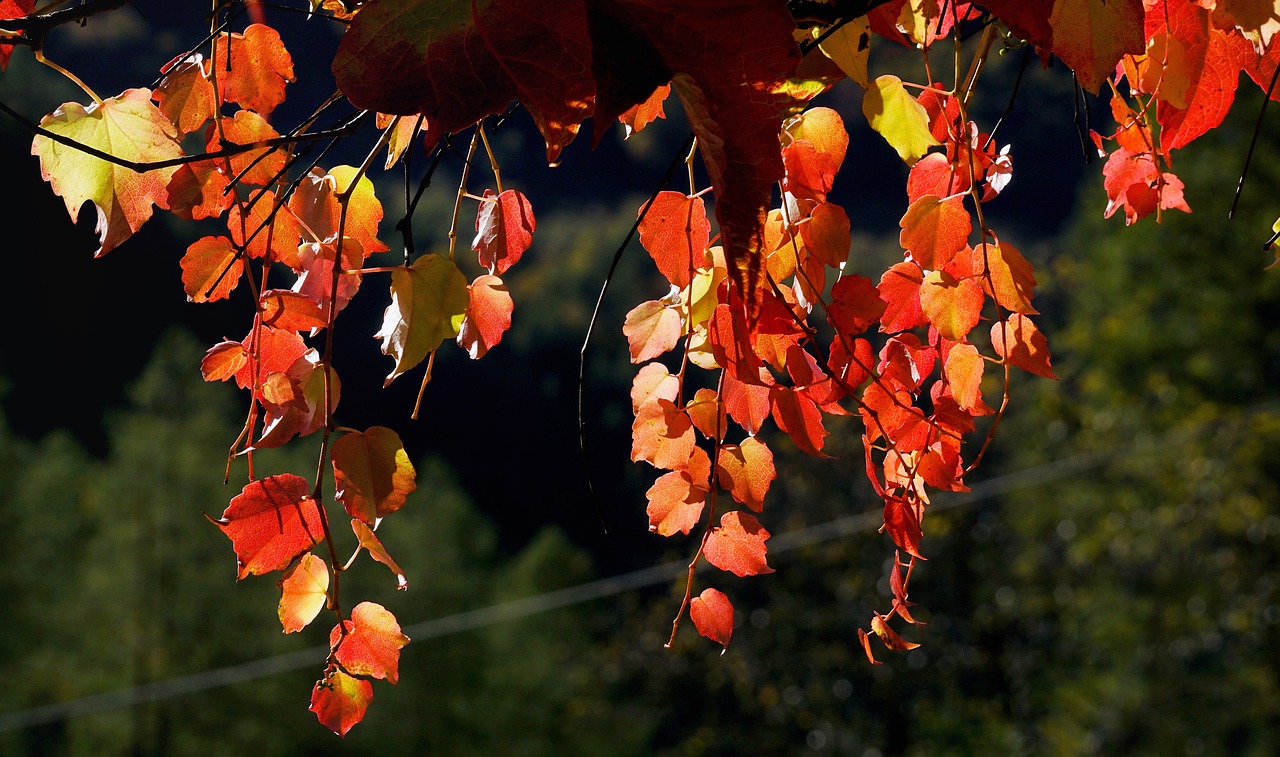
[[428, 302], [848, 48], [899, 118]]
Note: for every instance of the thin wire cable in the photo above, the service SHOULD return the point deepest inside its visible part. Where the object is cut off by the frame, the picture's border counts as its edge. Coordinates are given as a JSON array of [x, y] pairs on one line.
[[573, 595]]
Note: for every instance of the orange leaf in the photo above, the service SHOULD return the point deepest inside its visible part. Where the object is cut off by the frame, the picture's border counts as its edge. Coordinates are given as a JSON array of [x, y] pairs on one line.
[[639, 116], [303, 593], [707, 413], [963, 369], [364, 211], [340, 701], [271, 522], [279, 239], [211, 268], [712, 615], [371, 646], [662, 435], [826, 234], [746, 471], [737, 545], [276, 351], [675, 232], [291, 311], [372, 473], [185, 95], [504, 230], [1091, 35], [223, 360], [747, 404], [12, 9], [249, 128], [373, 544], [900, 289], [653, 382], [128, 127], [488, 316], [676, 499], [260, 67], [952, 306], [1021, 343], [890, 637], [934, 230], [304, 414], [652, 328], [799, 416], [197, 190], [1012, 278], [865, 640]]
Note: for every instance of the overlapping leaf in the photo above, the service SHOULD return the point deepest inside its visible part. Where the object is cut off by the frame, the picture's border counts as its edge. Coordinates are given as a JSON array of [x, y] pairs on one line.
[[271, 522], [372, 473], [428, 302], [303, 593], [128, 127], [372, 642]]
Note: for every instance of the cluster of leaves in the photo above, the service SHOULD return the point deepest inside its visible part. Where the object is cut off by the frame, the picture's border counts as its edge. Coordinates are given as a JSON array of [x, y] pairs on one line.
[[905, 355]]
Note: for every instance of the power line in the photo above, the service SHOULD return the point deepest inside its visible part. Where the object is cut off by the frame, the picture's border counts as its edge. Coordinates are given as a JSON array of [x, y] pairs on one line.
[[569, 596]]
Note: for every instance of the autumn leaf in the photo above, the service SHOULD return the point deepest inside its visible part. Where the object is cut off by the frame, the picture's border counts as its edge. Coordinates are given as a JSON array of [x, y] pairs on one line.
[[652, 383], [728, 61], [963, 369], [898, 117], [737, 545], [488, 316], [271, 522], [890, 637], [1089, 36], [291, 311], [652, 328], [128, 127], [902, 521], [639, 116], [275, 349], [372, 473], [340, 701], [900, 289], [849, 47], [1018, 341], [712, 614], [261, 166], [428, 302], [364, 211], [185, 94], [259, 68], [746, 471], [223, 361], [676, 499], [211, 268], [370, 542], [748, 404], [303, 593], [675, 232], [951, 305], [662, 435], [934, 230], [855, 305], [371, 643], [12, 9], [197, 190], [305, 412], [798, 415], [504, 230]]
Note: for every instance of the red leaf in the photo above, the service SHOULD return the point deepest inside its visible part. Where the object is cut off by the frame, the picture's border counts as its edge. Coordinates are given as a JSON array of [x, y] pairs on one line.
[[340, 701], [676, 499], [504, 230], [712, 615], [952, 306], [246, 128], [675, 232], [855, 305], [639, 116], [259, 67], [900, 289], [372, 473], [737, 545], [488, 316], [902, 521], [746, 471], [934, 230], [707, 414], [211, 268], [271, 522], [799, 416], [197, 190], [747, 404], [662, 435], [291, 311], [276, 352], [12, 9], [1021, 343], [223, 360], [371, 646]]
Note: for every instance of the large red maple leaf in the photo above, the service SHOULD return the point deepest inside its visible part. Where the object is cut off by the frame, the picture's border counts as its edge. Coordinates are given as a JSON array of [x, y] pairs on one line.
[[458, 61]]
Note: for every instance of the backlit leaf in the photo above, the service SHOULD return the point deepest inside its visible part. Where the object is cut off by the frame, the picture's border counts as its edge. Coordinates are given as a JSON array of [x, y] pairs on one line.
[[504, 230], [952, 305], [737, 545], [303, 593], [372, 643], [270, 522], [488, 316], [185, 94], [1021, 343], [849, 47], [372, 473], [712, 614], [211, 268], [890, 637], [428, 302], [652, 328], [248, 128], [259, 67], [746, 471], [370, 541], [676, 499], [934, 230], [129, 127], [340, 701], [899, 118], [675, 232]]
